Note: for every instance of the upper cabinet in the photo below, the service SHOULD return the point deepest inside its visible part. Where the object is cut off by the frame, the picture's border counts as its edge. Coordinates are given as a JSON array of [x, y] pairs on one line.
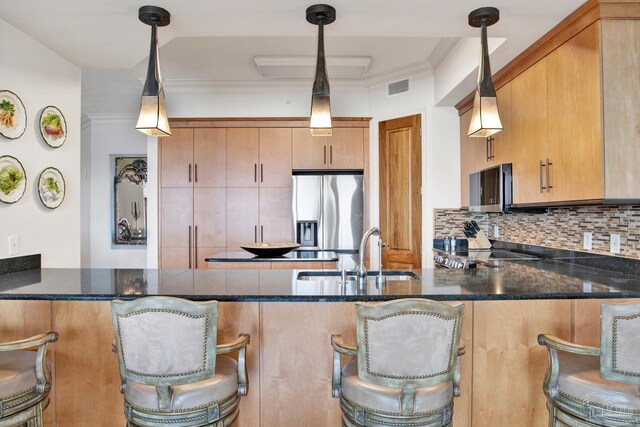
[[344, 149], [571, 125]]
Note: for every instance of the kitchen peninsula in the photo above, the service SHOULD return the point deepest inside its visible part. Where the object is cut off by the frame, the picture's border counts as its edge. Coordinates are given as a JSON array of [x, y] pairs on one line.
[[291, 260], [290, 318]]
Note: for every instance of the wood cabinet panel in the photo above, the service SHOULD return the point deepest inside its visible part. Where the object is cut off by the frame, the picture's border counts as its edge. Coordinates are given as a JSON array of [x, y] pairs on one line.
[[501, 146], [176, 159], [308, 152], [276, 217], [242, 157], [209, 216], [209, 157], [508, 363], [529, 130], [275, 157], [575, 117], [242, 216], [346, 148], [176, 257], [176, 216]]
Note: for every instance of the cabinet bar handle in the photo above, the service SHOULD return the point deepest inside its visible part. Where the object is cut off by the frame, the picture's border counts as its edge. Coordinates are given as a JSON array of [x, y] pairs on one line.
[[195, 174], [255, 233], [262, 233], [195, 244], [549, 187], [325, 154], [331, 154], [541, 166], [261, 172], [492, 142], [487, 148], [189, 172], [255, 172], [189, 247]]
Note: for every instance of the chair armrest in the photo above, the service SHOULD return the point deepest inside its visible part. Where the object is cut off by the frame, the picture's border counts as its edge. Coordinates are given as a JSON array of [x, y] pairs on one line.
[[560, 344], [239, 345], [462, 347], [28, 343], [339, 347]]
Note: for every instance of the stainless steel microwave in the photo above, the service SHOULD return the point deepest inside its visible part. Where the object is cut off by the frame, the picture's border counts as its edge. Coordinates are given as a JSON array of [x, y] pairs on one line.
[[490, 190]]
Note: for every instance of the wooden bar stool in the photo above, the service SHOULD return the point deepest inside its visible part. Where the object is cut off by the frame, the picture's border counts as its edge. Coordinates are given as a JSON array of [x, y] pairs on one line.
[[25, 380], [407, 369], [171, 370], [596, 386]]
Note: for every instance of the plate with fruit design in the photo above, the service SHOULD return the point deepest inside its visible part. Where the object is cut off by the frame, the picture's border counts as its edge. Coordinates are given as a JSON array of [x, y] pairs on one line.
[[51, 188], [13, 116], [13, 180], [53, 127]]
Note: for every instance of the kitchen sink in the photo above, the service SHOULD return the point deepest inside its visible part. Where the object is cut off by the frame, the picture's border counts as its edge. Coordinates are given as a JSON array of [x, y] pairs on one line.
[[334, 275]]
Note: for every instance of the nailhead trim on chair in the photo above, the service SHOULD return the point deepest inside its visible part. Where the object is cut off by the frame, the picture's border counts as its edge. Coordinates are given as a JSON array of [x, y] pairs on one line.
[[180, 313], [11, 396], [598, 405], [173, 420], [140, 408], [376, 411], [422, 313], [614, 344]]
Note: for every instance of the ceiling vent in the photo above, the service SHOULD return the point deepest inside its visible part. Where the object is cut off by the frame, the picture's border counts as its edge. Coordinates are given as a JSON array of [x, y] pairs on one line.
[[395, 88]]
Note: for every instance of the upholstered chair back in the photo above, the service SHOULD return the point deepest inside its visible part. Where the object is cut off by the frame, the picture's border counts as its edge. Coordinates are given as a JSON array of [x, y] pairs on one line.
[[410, 342], [165, 341], [620, 343]]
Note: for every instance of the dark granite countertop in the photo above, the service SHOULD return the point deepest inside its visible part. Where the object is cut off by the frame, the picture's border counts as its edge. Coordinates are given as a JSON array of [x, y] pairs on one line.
[[294, 256], [517, 280]]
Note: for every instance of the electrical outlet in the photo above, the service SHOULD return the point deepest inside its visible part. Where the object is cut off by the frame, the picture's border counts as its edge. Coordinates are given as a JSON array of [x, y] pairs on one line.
[[587, 241], [496, 231], [14, 244], [614, 246]]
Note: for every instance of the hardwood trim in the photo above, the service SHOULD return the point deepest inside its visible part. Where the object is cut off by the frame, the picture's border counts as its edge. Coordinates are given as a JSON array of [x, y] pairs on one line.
[[581, 18], [266, 122]]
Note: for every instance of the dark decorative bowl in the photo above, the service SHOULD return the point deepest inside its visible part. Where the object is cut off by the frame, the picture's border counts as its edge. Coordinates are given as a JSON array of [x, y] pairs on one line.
[[268, 250]]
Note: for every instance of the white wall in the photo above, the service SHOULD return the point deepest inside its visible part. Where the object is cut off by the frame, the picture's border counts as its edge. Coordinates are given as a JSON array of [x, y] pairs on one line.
[[108, 135], [41, 77], [440, 151]]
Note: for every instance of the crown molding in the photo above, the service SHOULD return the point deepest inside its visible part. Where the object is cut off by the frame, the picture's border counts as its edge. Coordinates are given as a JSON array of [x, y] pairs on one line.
[[108, 118]]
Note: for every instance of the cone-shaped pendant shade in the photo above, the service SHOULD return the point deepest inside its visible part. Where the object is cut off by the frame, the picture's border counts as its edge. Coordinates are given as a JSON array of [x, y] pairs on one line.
[[320, 119], [485, 120], [152, 119]]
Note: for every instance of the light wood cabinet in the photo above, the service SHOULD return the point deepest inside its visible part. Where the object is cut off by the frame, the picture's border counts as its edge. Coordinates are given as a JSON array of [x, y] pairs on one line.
[[344, 149], [176, 227], [242, 157], [275, 157], [176, 160], [209, 218], [276, 216], [242, 216]]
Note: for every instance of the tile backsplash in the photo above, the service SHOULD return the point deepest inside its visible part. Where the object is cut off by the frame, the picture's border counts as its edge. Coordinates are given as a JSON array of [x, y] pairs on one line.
[[560, 228]]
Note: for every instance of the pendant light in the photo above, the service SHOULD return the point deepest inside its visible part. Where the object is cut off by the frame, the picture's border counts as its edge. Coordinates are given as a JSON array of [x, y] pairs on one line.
[[320, 120], [153, 115], [485, 120]]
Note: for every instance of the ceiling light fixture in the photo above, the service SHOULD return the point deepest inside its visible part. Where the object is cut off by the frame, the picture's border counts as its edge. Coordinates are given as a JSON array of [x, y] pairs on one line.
[[320, 120], [153, 115], [485, 120]]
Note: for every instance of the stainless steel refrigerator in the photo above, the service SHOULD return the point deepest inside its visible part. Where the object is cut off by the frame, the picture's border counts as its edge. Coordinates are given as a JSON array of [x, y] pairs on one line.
[[328, 213]]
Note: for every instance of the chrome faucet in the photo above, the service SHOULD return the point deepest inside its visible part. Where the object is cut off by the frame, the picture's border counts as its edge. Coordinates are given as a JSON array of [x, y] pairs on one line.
[[361, 271]]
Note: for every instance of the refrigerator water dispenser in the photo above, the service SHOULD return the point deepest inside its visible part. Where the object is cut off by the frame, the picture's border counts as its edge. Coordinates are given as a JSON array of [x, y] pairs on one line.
[[307, 233]]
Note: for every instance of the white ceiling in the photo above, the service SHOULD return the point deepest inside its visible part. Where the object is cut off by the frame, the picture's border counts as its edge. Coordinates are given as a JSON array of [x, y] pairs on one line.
[[216, 39]]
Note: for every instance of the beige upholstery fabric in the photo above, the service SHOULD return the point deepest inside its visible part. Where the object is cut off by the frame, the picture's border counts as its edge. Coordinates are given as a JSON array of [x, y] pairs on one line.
[[157, 342], [580, 378], [409, 345], [189, 396], [626, 332], [17, 372], [387, 399]]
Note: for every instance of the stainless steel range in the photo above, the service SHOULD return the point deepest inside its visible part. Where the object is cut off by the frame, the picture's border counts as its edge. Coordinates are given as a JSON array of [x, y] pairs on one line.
[[476, 258]]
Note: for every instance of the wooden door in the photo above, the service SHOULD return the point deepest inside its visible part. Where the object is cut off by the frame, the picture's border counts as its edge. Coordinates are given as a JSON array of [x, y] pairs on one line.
[[176, 158], [400, 199], [308, 152], [275, 157], [575, 130], [176, 227], [209, 157], [529, 133], [242, 217], [276, 216], [209, 221], [346, 148], [242, 157]]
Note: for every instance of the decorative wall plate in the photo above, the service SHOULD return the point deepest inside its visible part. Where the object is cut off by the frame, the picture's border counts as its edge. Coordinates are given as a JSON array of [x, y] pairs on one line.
[[53, 127], [13, 116], [13, 180], [51, 188]]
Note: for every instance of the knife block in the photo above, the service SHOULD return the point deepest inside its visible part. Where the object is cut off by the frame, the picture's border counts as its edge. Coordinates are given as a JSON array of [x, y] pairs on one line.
[[479, 242]]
